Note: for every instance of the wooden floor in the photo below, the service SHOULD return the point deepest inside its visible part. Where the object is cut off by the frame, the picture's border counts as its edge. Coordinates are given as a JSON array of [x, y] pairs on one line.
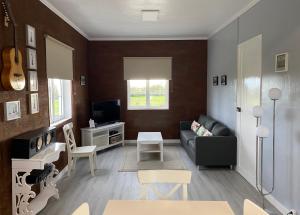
[[109, 183]]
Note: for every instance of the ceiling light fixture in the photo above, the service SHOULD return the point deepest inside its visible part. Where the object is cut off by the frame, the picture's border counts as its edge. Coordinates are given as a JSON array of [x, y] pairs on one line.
[[150, 15]]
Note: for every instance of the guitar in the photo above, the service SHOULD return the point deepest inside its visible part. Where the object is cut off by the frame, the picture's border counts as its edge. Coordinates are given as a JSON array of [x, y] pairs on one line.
[[12, 76]]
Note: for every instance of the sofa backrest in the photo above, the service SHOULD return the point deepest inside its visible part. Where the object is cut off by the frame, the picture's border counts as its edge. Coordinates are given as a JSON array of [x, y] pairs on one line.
[[215, 127]]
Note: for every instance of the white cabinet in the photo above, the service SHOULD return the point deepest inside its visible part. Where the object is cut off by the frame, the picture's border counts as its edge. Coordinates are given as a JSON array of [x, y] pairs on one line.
[[103, 136]]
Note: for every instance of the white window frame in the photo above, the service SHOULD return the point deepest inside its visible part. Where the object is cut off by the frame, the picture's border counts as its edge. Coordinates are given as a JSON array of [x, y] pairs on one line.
[[148, 107], [66, 89]]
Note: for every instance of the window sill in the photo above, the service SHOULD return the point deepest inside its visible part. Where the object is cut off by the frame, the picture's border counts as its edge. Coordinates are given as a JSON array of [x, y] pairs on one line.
[[60, 122], [132, 108]]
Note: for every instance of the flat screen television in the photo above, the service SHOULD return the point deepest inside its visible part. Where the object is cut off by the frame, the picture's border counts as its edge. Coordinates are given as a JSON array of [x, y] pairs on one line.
[[106, 112]]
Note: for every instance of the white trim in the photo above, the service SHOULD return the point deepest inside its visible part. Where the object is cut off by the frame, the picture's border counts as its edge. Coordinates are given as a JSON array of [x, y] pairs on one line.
[[144, 38], [251, 180], [63, 17], [166, 142], [61, 174], [234, 17]]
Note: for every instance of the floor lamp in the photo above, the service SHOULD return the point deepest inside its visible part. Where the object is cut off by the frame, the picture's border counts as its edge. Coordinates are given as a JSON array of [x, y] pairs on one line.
[[262, 133]]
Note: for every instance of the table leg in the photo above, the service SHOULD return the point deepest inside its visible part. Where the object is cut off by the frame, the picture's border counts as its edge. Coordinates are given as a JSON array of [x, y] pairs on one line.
[[161, 152], [138, 151]]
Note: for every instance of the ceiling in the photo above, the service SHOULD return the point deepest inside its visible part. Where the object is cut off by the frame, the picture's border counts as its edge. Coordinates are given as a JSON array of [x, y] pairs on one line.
[[122, 19]]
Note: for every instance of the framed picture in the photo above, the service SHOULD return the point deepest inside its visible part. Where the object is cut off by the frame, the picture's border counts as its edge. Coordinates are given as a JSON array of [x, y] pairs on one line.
[[31, 59], [215, 80], [82, 80], [33, 81], [34, 103], [30, 36], [224, 80], [282, 62], [12, 110]]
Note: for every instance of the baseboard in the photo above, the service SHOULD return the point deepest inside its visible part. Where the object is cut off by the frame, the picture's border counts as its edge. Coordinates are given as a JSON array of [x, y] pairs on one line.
[[61, 174], [168, 142], [282, 209]]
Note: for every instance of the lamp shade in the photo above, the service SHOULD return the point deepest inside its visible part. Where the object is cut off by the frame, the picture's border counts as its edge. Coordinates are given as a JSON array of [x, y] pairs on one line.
[[274, 93], [257, 111], [262, 132]]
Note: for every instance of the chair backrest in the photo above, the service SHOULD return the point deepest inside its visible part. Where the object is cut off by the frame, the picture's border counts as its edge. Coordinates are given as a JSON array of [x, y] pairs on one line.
[[82, 210], [148, 179], [69, 136], [252, 209]]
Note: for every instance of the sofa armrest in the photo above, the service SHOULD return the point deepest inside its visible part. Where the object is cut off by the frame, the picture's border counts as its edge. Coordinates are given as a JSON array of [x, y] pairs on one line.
[[185, 125], [216, 150]]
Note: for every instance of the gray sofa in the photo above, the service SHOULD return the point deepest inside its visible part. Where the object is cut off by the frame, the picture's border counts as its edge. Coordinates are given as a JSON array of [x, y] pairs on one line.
[[217, 150]]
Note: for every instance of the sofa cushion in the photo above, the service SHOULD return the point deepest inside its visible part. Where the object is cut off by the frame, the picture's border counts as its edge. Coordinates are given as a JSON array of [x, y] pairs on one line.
[[188, 135], [201, 131], [210, 123], [195, 126], [202, 119], [220, 130]]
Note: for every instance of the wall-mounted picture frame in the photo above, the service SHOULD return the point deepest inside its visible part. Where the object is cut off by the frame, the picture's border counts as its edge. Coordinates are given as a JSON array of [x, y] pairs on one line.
[[282, 62], [224, 80], [31, 59], [30, 36], [12, 110], [82, 80], [215, 81], [33, 81], [34, 103]]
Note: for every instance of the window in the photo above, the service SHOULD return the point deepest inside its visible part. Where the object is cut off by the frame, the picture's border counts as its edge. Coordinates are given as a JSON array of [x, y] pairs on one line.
[[148, 94], [60, 104]]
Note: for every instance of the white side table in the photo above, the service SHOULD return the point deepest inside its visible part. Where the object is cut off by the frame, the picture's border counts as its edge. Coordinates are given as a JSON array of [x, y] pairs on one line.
[[150, 138]]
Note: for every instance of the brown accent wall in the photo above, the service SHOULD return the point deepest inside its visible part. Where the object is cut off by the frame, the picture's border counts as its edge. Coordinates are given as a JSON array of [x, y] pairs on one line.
[[187, 88], [46, 22]]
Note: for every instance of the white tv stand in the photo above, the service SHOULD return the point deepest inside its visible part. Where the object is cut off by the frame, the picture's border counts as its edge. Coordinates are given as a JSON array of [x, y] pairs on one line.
[[100, 136]]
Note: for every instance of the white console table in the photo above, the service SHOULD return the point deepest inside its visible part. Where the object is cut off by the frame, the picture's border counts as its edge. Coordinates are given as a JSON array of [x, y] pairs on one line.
[[21, 191], [100, 136]]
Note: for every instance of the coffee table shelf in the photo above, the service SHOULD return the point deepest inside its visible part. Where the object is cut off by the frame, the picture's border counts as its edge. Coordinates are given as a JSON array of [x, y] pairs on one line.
[[146, 141]]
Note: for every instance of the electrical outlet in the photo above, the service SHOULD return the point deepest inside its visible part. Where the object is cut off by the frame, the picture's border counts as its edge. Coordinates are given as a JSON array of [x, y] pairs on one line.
[[292, 212]]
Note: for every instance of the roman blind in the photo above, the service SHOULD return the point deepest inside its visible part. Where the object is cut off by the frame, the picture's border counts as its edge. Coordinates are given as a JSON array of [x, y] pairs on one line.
[[59, 59], [146, 68]]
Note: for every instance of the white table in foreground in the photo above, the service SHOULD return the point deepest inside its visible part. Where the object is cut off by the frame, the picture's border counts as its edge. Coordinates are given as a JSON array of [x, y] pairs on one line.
[[121, 207], [150, 138]]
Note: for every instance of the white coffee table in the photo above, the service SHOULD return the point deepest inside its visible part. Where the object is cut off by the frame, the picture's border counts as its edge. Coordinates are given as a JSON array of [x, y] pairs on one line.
[[149, 138]]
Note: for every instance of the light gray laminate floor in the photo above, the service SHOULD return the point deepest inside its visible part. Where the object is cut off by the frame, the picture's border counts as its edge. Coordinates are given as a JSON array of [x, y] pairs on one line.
[[109, 183]]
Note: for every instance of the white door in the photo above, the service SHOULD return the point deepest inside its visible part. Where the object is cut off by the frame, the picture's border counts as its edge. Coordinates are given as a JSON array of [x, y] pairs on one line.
[[248, 96]]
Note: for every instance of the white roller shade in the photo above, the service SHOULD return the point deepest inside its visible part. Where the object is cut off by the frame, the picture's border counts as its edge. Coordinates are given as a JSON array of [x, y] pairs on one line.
[[59, 59], [146, 68]]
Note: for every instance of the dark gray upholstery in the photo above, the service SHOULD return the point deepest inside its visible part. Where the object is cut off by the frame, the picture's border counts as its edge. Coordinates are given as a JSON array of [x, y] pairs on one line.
[[217, 150]]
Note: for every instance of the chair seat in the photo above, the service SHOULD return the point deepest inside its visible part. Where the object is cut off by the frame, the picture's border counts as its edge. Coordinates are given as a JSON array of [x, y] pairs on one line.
[[83, 150]]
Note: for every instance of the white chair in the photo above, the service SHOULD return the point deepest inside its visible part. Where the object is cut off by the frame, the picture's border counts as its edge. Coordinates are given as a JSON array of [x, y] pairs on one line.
[[75, 152], [252, 209], [82, 210], [148, 179]]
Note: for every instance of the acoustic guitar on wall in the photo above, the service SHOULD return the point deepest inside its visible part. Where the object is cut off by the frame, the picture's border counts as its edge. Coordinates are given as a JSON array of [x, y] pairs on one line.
[[12, 76]]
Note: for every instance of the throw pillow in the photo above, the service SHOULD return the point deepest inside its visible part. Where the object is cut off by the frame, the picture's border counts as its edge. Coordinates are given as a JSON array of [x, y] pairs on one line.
[[207, 133], [195, 126], [201, 131]]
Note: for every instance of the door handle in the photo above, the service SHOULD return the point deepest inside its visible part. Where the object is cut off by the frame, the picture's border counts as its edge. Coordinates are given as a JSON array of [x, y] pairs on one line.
[[238, 109]]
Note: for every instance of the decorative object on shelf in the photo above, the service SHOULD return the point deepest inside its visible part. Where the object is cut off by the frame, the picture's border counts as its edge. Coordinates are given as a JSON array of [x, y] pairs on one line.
[[224, 80], [31, 59], [282, 62], [215, 80], [34, 103], [30, 36], [92, 123], [82, 80], [262, 132], [12, 110], [12, 76], [33, 81]]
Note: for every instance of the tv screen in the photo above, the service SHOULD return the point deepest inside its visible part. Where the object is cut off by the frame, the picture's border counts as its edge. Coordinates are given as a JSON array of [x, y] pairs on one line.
[[106, 112]]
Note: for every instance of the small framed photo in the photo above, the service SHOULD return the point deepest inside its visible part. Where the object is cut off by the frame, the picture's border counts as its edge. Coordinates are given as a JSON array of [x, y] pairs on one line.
[[224, 80], [82, 80], [31, 59], [30, 36], [282, 62], [33, 81], [34, 103], [12, 110], [215, 80]]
